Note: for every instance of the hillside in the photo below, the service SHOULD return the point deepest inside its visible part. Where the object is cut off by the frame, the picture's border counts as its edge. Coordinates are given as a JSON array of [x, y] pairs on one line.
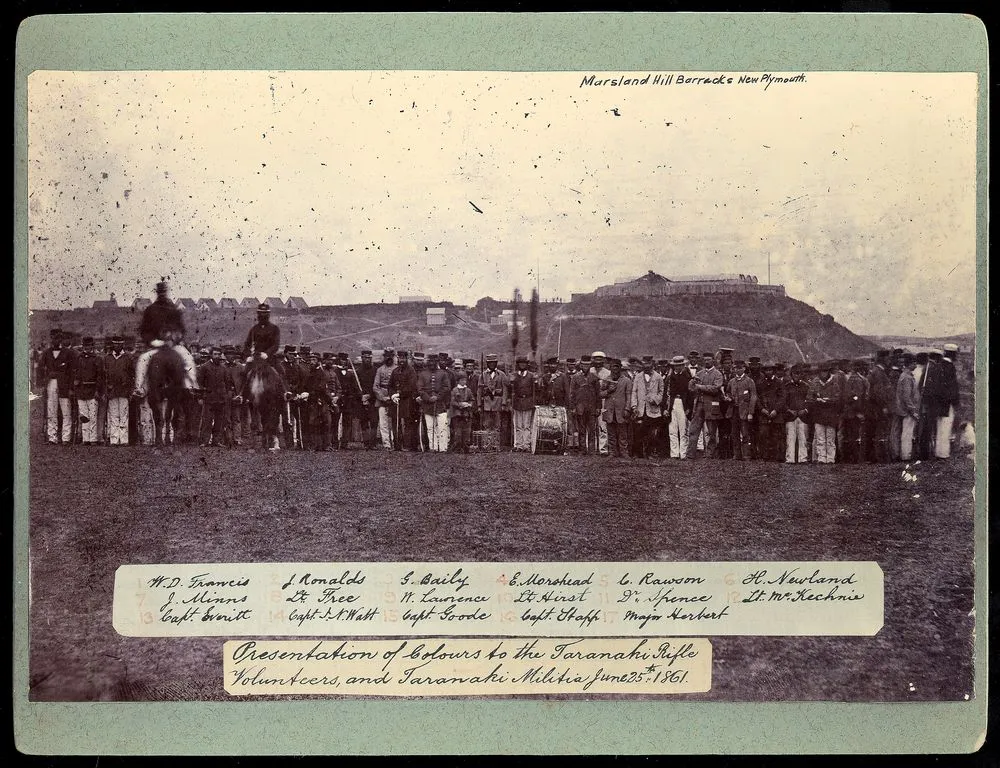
[[768, 326], [772, 327]]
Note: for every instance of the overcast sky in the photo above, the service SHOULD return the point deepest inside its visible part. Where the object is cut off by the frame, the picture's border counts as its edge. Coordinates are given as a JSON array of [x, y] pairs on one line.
[[350, 187]]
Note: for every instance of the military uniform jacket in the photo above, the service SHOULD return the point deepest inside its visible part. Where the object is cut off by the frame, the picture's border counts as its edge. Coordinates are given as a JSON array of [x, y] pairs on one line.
[[618, 402], [771, 397], [855, 395], [236, 373], [59, 367], [493, 390], [583, 393], [431, 383], [709, 398], [88, 376], [647, 396], [953, 397], [160, 319], [403, 382], [827, 413], [880, 392], [934, 391], [743, 394], [318, 384], [349, 391], [262, 338], [215, 380], [366, 375], [522, 390], [556, 389], [381, 385], [796, 393], [119, 375]]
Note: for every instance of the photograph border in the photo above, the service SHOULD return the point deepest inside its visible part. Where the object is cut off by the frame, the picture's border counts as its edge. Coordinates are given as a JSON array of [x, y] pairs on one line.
[[593, 42]]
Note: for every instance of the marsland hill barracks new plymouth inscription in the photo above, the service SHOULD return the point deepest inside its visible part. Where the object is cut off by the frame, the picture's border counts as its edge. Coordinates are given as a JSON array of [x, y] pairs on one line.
[[660, 79]]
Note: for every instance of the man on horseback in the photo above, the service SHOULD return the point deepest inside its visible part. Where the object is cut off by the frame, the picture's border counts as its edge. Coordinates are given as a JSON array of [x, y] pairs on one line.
[[261, 345], [163, 326]]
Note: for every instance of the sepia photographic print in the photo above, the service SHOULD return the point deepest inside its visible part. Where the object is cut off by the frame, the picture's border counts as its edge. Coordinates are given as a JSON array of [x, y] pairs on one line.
[[583, 325]]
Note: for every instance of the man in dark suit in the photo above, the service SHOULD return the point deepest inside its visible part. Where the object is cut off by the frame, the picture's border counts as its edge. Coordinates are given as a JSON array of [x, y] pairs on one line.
[[617, 409], [522, 395]]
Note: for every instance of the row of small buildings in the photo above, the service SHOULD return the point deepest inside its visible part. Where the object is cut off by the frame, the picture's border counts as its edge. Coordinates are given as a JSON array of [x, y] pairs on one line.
[[653, 284], [206, 304]]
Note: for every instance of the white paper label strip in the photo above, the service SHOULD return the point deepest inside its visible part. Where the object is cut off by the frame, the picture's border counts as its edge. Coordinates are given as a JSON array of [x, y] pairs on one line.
[[499, 599]]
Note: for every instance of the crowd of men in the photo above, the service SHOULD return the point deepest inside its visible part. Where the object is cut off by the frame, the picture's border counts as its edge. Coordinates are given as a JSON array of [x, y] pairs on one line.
[[894, 406]]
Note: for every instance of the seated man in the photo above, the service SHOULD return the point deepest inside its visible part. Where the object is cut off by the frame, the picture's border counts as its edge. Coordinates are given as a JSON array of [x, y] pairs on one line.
[[163, 325]]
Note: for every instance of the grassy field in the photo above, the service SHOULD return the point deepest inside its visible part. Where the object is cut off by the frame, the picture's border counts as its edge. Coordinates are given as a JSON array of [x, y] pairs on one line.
[[93, 509]]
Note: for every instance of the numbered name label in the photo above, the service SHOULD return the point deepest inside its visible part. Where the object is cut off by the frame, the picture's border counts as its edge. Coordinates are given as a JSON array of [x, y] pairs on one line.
[[468, 667], [499, 599]]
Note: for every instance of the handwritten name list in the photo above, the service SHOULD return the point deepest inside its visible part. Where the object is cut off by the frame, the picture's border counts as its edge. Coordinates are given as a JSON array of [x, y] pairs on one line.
[[464, 667], [575, 599]]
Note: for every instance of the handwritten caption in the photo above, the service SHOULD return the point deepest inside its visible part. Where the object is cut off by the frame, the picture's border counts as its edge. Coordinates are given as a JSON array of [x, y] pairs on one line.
[[468, 667], [476, 599], [762, 80]]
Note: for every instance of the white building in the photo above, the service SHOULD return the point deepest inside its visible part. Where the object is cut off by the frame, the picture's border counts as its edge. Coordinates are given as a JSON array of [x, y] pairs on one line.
[[436, 316]]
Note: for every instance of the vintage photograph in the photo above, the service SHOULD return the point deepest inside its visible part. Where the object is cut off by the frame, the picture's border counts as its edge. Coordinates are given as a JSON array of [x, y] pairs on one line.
[[504, 317]]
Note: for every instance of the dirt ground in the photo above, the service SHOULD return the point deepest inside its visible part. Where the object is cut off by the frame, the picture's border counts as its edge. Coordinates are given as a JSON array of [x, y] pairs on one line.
[[93, 509]]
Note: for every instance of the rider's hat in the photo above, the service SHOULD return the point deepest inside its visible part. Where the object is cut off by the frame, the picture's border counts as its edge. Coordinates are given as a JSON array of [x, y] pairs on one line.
[[290, 349], [305, 349], [263, 307], [162, 287]]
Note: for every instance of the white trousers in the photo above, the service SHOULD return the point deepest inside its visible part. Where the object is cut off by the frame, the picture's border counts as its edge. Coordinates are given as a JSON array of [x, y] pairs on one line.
[[146, 428], [438, 437], [677, 429], [55, 405], [602, 434], [142, 366], [522, 430], [796, 443], [906, 438], [824, 444], [88, 420], [942, 445], [386, 427], [117, 421]]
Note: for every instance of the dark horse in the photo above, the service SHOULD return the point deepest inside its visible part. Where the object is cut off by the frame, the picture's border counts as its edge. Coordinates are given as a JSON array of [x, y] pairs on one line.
[[165, 382], [267, 398]]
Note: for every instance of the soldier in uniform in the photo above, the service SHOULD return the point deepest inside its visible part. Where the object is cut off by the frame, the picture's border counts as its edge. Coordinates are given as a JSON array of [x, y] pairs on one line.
[[771, 414], [57, 372], [933, 403], [742, 396], [366, 408], [88, 385], [907, 405], [492, 394], [706, 387], [585, 403], [599, 373], [472, 381], [163, 324], [796, 390], [237, 416], [403, 393], [825, 402], [350, 399], [727, 436], [316, 405], [855, 413], [419, 366], [119, 373], [522, 395], [217, 386], [461, 406], [434, 386], [881, 395], [386, 407], [572, 429], [952, 401]]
